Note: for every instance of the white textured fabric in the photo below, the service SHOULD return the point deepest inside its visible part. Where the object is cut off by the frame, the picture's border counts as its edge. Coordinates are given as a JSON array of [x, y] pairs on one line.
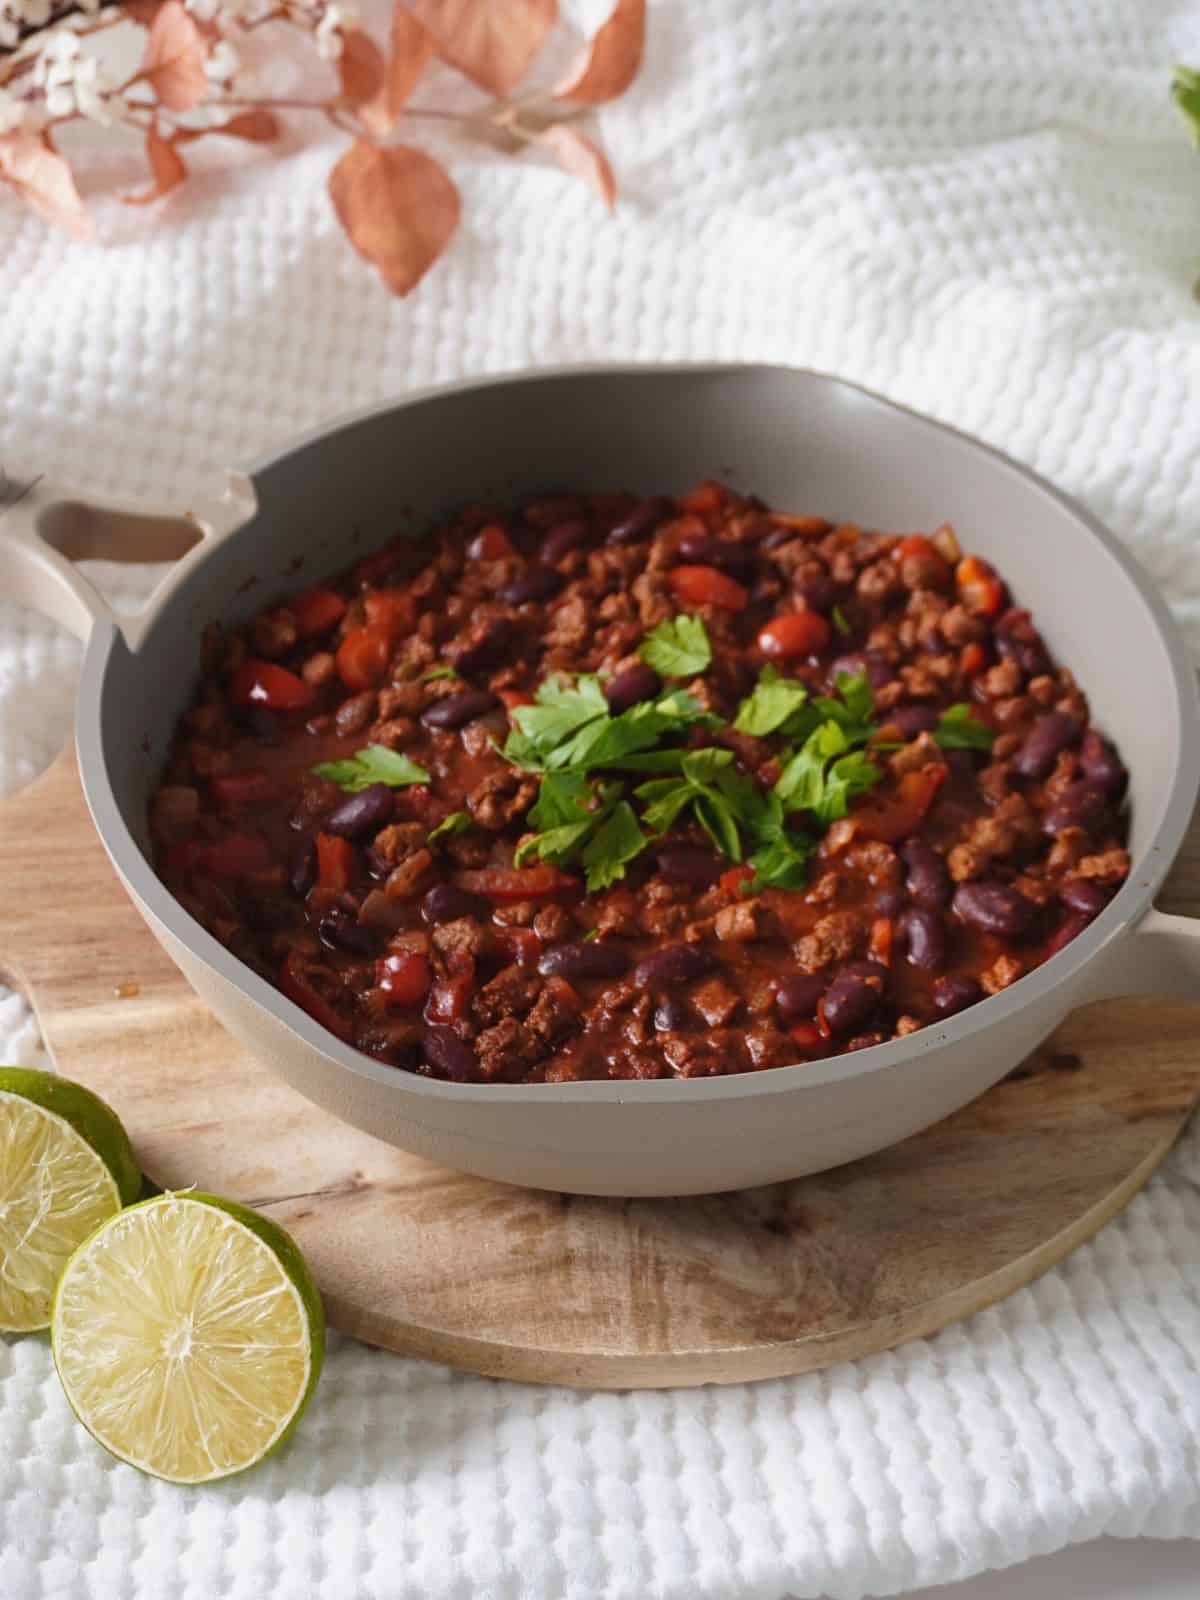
[[987, 211]]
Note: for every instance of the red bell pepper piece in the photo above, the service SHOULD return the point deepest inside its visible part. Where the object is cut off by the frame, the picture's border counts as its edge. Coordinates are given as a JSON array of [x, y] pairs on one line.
[[264, 683]]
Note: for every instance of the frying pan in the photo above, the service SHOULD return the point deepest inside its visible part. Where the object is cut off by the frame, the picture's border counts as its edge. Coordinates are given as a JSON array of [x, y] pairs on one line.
[[802, 440]]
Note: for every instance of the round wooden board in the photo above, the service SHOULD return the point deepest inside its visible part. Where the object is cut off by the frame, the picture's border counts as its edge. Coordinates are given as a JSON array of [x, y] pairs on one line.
[[596, 1293]]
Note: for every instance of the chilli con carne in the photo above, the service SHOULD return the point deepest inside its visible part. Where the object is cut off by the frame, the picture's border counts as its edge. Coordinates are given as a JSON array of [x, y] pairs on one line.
[[599, 787]]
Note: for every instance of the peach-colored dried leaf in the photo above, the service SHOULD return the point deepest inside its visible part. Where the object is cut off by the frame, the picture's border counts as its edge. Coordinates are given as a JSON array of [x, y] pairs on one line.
[[168, 169], [583, 158], [491, 41], [258, 126], [43, 180], [174, 61], [141, 11], [412, 47], [610, 63], [398, 207], [360, 67]]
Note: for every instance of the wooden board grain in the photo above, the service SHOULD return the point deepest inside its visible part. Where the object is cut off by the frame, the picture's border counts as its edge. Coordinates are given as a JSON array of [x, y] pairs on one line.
[[592, 1292]]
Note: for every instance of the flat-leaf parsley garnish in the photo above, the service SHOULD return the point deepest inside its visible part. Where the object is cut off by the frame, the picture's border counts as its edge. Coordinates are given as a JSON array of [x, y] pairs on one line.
[[375, 764], [957, 729], [677, 648]]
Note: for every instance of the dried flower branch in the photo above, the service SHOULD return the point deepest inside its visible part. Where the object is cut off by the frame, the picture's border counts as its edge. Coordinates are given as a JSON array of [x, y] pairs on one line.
[[398, 205]]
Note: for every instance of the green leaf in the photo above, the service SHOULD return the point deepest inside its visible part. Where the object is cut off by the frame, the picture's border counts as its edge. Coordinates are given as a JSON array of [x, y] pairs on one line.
[[841, 621], [560, 710], [957, 729], [801, 784], [375, 764], [456, 822], [848, 777], [609, 741], [562, 798], [664, 799], [772, 701], [854, 689], [715, 816], [782, 863], [617, 841], [702, 766], [438, 672], [1186, 92], [556, 845], [677, 648]]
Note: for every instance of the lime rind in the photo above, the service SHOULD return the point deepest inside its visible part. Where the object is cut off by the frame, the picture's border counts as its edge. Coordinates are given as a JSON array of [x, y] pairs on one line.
[[101, 1310], [92, 1118], [55, 1188]]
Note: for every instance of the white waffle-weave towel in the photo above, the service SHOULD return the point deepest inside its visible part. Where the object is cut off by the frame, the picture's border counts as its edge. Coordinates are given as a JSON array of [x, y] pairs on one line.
[[987, 211]]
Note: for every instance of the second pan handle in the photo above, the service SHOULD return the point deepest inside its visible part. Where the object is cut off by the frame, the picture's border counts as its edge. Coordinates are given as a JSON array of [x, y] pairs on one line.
[[45, 528]]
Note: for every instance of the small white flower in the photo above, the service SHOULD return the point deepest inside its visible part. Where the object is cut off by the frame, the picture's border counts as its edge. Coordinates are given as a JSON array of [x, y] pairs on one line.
[[203, 10]]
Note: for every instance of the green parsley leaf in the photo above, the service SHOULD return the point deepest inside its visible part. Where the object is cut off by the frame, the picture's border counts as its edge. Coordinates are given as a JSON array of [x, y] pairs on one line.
[[438, 672], [592, 933], [773, 700], [847, 778], [617, 841], [825, 774], [555, 845], [560, 710], [375, 764], [562, 798], [840, 621], [782, 863], [957, 729], [456, 822], [609, 741], [677, 648], [664, 799], [1186, 93]]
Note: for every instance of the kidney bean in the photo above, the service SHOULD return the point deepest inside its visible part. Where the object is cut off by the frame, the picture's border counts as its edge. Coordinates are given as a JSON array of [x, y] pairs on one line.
[[1102, 764], [302, 868], [456, 710], [449, 1055], [364, 812], [488, 651], [630, 687], [262, 724], [914, 719], [1081, 806], [728, 555], [584, 960], [993, 908], [675, 963], [539, 583], [338, 930], [1048, 737], [1085, 896], [879, 669], [563, 537], [864, 969], [889, 902], [673, 1015], [376, 866], [820, 594], [641, 521], [925, 936], [849, 1002], [446, 902], [955, 993], [690, 864], [797, 994], [928, 880], [1026, 649]]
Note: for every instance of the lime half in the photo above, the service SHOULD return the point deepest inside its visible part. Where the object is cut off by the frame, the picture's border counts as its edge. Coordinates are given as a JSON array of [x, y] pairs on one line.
[[188, 1335], [65, 1166]]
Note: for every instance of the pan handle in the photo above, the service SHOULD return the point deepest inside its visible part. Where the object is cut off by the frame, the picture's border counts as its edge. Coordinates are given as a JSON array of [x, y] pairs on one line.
[[45, 528], [1161, 956]]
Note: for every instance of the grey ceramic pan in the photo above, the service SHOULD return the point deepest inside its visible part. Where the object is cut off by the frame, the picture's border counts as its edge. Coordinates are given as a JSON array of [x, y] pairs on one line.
[[800, 439]]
